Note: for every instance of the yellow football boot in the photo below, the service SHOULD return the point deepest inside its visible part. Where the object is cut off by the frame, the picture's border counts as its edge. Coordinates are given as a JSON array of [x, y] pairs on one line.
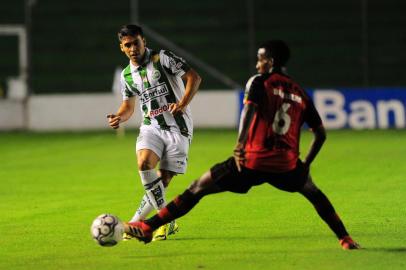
[[160, 233], [173, 227]]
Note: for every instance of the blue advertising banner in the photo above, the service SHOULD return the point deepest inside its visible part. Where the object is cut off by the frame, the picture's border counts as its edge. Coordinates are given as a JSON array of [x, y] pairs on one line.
[[360, 108]]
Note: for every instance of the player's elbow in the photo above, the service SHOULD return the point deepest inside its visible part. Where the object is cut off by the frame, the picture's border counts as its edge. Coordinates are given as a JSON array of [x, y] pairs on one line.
[[195, 77], [323, 135], [320, 134], [198, 78]]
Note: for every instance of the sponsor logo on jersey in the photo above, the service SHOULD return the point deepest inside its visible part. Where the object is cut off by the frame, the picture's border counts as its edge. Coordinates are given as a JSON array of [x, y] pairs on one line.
[[154, 92], [156, 112]]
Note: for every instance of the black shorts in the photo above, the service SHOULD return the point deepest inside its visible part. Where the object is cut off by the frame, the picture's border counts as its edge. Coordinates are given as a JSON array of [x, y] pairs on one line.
[[227, 177]]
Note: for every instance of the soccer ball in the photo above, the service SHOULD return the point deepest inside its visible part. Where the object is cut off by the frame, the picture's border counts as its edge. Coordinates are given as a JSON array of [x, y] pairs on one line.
[[107, 230]]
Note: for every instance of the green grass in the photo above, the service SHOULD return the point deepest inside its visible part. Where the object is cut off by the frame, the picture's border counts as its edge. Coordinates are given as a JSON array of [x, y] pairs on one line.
[[52, 185]]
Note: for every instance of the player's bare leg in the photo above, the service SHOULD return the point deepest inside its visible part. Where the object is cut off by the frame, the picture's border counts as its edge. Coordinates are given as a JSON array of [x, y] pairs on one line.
[[327, 212]]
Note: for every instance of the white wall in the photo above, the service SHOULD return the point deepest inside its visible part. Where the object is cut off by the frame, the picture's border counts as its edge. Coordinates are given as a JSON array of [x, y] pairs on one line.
[[70, 112], [215, 109], [88, 111], [11, 114]]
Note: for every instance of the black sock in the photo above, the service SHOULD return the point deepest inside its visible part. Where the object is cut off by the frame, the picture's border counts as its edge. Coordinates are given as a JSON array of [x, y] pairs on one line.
[[178, 207]]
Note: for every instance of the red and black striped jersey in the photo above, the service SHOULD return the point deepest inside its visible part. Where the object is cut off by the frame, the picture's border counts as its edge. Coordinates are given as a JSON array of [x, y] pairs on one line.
[[274, 134]]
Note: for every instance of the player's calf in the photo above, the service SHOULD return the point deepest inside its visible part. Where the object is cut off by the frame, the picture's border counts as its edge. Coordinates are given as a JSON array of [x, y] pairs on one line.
[[154, 188]]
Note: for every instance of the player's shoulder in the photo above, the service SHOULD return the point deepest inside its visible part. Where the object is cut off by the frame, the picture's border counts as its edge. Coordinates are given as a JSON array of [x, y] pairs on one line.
[[255, 81], [250, 80], [282, 78], [164, 56], [166, 53], [126, 71], [279, 75], [155, 56]]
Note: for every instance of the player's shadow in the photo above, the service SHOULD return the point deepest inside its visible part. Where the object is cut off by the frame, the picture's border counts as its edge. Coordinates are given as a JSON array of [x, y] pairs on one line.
[[265, 237], [363, 248], [385, 249]]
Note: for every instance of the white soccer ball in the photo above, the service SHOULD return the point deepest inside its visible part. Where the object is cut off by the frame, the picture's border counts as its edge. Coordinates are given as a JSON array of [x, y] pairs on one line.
[[107, 230]]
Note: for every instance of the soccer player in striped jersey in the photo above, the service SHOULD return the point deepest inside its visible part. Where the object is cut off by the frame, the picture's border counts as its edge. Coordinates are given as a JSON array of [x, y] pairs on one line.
[[164, 85], [267, 149]]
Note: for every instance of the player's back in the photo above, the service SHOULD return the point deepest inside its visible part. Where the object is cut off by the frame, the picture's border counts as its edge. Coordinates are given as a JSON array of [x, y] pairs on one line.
[[273, 142]]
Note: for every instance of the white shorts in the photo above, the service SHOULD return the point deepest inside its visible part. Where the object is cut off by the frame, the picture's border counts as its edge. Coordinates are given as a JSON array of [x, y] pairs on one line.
[[171, 147]]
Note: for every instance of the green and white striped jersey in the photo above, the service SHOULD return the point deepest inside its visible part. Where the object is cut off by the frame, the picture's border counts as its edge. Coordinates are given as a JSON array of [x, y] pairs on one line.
[[157, 82]]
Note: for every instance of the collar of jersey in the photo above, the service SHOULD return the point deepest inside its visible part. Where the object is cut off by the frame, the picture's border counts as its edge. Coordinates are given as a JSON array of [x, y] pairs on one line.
[[147, 59]]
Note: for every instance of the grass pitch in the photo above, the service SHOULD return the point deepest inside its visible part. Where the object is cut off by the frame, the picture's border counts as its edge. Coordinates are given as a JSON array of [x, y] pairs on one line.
[[52, 185]]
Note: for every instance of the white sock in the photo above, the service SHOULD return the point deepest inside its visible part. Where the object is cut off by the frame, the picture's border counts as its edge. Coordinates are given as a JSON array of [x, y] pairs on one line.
[[143, 210], [154, 188]]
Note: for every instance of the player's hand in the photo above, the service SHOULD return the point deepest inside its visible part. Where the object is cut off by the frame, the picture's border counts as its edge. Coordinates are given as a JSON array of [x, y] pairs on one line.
[[114, 120], [239, 155], [176, 108]]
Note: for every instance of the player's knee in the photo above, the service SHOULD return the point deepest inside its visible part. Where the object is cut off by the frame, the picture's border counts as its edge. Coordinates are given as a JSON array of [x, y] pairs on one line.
[[310, 188], [166, 181], [166, 177], [193, 188], [145, 164], [196, 188]]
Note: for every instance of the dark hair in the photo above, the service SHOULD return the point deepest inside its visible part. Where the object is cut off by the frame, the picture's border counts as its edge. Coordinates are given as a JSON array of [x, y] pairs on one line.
[[130, 30], [278, 50]]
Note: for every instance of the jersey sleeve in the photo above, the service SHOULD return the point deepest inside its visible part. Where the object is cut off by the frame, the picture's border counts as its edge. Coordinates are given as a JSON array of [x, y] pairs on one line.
[[173, 64], [254, 90], [127, 87], [311, 115], [124, 89]]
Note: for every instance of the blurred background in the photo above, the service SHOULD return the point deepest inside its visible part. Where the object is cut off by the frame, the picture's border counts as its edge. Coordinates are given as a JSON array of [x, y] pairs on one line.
[[71, 46], [61, 165]]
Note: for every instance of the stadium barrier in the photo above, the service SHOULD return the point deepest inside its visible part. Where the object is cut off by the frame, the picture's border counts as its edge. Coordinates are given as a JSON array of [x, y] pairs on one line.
[[373, 108], [359, 108], [210, 109]]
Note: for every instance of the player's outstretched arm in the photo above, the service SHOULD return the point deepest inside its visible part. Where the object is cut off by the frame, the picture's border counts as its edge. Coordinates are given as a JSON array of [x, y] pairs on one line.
[[124, 113], [192, 80], [246, 118]]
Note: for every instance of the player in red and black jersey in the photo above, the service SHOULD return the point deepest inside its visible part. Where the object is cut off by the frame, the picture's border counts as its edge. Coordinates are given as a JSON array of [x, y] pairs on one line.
[[267, 151]]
